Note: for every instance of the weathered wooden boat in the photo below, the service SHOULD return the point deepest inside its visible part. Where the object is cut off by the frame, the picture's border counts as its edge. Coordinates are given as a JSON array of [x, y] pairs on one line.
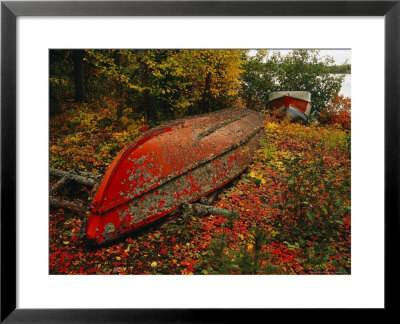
[[171, 165], [295, 105]]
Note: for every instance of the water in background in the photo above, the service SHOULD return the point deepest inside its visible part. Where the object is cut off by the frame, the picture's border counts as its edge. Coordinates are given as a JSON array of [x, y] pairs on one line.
[[346, 86]]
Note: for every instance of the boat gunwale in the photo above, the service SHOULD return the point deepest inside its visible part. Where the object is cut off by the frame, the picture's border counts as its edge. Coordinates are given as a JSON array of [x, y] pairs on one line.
[[301, 95]]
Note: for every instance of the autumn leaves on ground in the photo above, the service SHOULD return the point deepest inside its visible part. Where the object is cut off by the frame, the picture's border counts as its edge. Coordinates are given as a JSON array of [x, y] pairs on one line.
[[289, 211]]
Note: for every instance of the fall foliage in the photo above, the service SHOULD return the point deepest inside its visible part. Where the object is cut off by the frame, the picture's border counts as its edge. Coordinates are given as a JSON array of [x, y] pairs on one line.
[[158, 84], [292, 217], [337, 112], [289, 211]]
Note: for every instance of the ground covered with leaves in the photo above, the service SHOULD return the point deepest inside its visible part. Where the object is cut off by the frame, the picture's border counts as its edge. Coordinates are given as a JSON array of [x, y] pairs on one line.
[[289, 211]]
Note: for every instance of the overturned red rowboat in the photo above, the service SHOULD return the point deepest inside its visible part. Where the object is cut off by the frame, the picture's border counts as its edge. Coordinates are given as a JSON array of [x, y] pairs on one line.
[[174, 164], [295, 105]]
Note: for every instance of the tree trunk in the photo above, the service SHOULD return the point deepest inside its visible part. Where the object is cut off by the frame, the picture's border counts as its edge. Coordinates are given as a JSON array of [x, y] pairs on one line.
[[79, 77], [205, 107], [149, 111], [119, 90], [119, 98]]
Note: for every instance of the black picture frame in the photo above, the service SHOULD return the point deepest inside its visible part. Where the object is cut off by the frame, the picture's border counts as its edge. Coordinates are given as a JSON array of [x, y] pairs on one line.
[[10, 10]]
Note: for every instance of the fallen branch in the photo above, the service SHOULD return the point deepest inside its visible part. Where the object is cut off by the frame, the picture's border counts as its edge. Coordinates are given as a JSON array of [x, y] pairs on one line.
[[199, 209], [85, 178], [60, 183], [203, 210], [61, 203], [209, 199]]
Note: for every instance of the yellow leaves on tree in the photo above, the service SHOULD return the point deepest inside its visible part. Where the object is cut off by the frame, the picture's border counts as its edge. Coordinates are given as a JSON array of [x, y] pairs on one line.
[[214, 76], [133, 90]]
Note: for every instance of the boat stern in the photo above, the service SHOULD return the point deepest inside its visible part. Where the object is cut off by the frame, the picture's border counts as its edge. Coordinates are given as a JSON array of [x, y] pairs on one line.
[[294, 105]]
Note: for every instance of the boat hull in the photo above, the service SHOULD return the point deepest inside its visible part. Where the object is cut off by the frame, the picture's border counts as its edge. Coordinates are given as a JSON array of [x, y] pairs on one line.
[[176, 164], [295, 105]]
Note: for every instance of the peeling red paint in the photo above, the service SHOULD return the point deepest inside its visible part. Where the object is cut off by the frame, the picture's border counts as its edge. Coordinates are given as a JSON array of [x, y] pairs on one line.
[[174, 164]]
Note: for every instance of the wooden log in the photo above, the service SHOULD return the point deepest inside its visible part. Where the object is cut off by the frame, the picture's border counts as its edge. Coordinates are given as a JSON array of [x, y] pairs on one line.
[[61, 203], [92, 175], [198, 209], [209, 199], [86, 178], [203, 210], [60, 183]]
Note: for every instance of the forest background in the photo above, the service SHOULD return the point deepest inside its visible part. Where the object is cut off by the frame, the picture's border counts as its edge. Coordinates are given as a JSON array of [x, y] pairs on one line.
[[125, 92], [293, 203]]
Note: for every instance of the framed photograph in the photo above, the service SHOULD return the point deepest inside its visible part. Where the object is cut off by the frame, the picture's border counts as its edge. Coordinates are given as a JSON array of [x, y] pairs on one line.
[[80, 80]]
